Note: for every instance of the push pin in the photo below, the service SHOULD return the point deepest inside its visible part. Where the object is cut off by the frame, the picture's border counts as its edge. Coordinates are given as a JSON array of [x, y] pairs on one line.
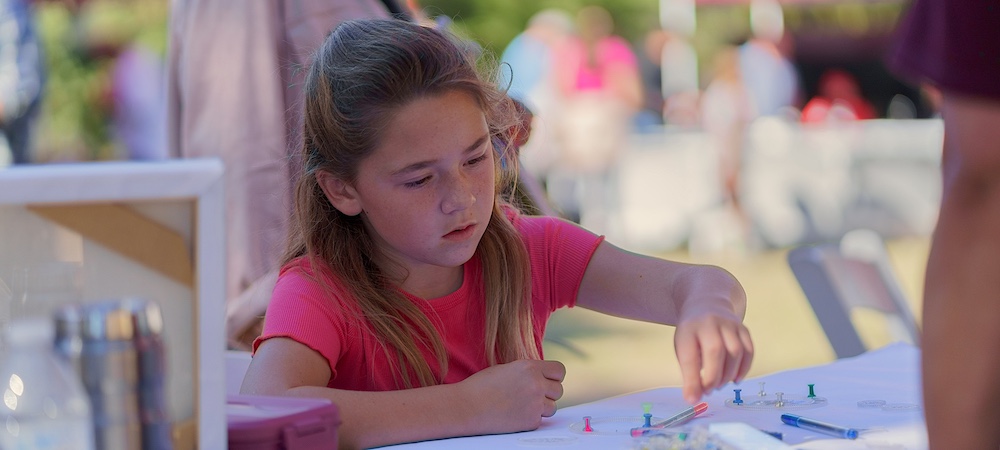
[[737, 400], [811, 393], [586, 425], [762, 393], [779, 402], [646, 415]]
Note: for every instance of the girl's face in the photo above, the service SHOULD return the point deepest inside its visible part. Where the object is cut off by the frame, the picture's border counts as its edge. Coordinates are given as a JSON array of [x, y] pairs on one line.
[[426, 193]]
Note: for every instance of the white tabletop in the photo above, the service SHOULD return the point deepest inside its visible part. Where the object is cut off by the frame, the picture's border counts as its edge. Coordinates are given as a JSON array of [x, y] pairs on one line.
[[890, 374]]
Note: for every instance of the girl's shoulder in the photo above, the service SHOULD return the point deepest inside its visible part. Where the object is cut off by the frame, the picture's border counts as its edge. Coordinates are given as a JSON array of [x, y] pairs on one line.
[[304, 267], [306, 277], [549, 230]]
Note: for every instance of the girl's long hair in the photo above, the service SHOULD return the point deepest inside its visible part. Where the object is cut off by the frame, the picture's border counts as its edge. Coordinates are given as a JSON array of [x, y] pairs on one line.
[[362, 74]]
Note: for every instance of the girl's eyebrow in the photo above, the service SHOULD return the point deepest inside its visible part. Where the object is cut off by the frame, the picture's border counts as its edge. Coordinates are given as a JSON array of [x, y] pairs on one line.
[[422, 164]]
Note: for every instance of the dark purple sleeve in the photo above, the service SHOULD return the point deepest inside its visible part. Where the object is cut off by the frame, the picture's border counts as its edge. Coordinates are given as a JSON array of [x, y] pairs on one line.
[[952, 44]]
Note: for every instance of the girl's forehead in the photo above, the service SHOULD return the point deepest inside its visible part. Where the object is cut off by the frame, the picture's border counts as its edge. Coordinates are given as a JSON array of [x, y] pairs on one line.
[[431, 126]]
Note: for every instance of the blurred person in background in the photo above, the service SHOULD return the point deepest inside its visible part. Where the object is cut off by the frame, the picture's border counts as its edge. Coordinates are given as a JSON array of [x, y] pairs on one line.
[[838, 98], [528, 59], [955, 46], [771, 79], [598, 75], [527, 73], [650, 58], [679, 81], [725, 113], [668, 66], [133, 85], [22, 76], [236, 70]]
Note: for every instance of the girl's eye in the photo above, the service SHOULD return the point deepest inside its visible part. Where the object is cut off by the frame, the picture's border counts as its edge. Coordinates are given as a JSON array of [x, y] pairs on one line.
[[477, 160], [418, 183]]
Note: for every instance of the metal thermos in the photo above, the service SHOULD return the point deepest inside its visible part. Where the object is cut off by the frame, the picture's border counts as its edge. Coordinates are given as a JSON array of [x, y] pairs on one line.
[[117, 347]]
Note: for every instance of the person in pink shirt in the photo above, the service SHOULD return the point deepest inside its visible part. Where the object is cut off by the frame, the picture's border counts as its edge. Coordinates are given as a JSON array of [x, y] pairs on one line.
[[600, 89], [410, 285]]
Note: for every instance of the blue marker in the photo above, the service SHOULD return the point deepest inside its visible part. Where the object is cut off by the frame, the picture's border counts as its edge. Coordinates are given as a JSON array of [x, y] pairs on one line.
[[821, 427]]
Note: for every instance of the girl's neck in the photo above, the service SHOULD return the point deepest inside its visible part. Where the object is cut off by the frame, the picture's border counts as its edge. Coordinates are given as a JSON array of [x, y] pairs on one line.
[[430, 282]]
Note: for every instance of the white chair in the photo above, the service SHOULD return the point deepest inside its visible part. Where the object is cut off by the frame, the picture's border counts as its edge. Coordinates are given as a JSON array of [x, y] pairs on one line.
[[855, 273]]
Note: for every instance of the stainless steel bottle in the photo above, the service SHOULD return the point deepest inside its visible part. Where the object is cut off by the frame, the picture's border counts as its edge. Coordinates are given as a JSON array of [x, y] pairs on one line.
[[118, 348]]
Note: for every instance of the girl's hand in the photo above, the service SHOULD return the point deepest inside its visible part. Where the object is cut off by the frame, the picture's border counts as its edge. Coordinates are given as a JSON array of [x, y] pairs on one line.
[[514, 396], [713, 348]]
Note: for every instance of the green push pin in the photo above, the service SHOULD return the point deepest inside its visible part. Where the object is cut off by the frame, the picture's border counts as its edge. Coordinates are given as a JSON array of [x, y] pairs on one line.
[[811, 393], [646, 415]]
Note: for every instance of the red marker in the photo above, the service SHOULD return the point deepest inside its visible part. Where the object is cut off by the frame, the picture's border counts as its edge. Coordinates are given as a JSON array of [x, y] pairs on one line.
[[673, 420]]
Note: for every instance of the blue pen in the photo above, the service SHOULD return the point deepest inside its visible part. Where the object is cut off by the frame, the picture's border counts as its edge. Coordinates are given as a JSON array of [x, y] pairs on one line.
[[821, 427]]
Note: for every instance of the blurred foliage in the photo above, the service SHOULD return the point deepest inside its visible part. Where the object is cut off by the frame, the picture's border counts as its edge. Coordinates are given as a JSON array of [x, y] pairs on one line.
[[80, 46], [494, 23]]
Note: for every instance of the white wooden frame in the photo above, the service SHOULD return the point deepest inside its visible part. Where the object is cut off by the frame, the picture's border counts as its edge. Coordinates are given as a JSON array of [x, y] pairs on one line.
[[197, 180]]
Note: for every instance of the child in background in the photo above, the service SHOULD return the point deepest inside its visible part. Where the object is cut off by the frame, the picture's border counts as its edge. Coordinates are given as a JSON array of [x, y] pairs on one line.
[[415, 297]]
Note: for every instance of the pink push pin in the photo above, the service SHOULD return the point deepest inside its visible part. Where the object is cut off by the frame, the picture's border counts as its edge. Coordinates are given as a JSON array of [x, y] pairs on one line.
[[586, 425]]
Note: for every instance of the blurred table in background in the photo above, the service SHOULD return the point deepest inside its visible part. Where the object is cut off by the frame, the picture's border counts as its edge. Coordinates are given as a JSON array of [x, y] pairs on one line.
[[799, 183]]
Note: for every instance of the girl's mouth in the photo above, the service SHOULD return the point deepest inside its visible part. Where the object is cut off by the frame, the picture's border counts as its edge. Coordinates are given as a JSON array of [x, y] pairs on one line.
[[461, 233]]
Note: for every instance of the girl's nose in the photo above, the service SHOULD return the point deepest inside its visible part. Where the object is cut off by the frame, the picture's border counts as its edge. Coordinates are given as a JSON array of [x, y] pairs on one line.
[[458, 195]]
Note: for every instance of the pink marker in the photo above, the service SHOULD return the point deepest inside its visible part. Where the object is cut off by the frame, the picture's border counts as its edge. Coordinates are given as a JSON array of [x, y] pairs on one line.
[[673, 420]]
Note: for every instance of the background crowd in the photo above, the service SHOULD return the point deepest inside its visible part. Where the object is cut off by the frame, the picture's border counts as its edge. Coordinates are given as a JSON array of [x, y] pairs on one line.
[[601, 79], [718, 127]]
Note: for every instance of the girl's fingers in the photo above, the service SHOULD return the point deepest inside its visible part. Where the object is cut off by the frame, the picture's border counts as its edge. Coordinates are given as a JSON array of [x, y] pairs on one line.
[[689, 359], [554, 391], [747, 354], [714, 355], [711, 357], [734, 354], [550, 408]]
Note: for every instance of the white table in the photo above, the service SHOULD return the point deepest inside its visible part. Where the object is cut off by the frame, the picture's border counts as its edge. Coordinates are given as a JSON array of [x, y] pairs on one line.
[[891, 373]]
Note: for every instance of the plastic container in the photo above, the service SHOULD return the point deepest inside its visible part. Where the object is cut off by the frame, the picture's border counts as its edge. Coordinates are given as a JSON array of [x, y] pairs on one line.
[[281, 423], [45, 406]]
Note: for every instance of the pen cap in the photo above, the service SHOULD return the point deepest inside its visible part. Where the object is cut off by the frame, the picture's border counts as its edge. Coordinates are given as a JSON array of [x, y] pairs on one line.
[[790, 419]]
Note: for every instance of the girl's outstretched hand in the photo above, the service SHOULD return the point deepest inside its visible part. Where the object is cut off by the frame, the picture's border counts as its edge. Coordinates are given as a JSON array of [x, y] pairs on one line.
[[713, 348], [514, 396]]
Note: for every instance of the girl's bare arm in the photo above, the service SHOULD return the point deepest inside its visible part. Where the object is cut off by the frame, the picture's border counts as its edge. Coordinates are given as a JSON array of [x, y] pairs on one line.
[[705, 303], [501, 399]]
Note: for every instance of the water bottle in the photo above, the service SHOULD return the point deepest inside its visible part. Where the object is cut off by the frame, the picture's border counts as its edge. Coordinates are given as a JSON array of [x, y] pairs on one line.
[[45, 406]]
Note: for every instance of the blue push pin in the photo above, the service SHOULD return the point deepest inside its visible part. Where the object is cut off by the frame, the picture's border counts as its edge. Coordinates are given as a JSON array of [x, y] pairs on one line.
[[811, 393], [646, 415], [738, 400]]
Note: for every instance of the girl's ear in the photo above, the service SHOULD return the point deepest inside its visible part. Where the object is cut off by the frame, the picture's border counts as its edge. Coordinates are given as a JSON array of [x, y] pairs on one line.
[[340, 193]]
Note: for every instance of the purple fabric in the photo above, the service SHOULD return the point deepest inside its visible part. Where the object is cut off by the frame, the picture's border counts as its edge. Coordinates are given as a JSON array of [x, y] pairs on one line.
[[952, 44]]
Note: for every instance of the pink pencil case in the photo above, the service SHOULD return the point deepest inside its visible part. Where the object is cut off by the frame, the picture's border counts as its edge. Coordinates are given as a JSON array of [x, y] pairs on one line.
[[281, 423]]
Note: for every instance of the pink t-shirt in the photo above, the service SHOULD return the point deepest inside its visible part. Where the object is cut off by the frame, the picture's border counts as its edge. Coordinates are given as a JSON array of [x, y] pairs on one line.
[[302, 310], [613, 57]]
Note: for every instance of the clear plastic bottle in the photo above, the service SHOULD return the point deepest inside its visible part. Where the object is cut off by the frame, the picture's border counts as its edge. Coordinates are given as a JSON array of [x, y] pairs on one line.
[[44, 404]]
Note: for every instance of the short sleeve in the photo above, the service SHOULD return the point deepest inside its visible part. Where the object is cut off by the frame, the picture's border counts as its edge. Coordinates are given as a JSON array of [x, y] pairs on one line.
[[559, 252], [302, 311]]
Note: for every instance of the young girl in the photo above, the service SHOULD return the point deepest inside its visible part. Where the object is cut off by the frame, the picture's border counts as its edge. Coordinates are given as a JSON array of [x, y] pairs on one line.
[[416, 298]]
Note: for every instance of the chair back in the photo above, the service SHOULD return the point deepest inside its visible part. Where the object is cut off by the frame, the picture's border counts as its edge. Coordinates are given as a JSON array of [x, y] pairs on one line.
[[854, 273]]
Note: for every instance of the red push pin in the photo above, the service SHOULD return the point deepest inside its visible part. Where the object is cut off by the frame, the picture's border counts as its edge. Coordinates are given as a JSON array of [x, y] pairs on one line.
[[586, 425]]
